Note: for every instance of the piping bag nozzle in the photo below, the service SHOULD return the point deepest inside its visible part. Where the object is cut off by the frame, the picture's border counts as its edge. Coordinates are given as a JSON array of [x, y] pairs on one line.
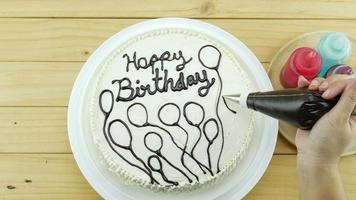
[[234, 101], [299, 107]]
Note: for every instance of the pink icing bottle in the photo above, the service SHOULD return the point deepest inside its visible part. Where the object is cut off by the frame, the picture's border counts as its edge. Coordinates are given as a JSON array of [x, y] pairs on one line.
[[304, 61]]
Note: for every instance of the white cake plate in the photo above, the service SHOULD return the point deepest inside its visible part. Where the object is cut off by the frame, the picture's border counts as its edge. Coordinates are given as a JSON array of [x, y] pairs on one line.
[[234, 186]]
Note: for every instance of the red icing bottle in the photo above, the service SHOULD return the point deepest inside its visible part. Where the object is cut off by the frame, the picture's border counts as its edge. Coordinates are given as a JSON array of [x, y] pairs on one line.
[[304, 61]]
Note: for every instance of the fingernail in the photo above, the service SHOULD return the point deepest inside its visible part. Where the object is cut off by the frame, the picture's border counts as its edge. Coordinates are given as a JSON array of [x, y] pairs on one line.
[[324, 85], [314, 83], [326, 93]]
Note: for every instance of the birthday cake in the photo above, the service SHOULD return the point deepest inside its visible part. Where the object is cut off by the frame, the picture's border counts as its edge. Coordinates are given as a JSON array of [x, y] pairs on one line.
[[157, 114]]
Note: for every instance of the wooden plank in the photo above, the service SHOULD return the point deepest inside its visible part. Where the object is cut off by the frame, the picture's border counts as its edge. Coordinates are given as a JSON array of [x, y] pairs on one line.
[[76, 39], [37, 84], [58, 177], [186, 8], [33, 130], [284, 147], [43, 176], [44, 130], [280, 180]]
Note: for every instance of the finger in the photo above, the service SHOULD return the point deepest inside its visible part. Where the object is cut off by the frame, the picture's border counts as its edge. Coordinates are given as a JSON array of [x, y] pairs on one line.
[[347, 102], [302, 82], [337, 77], [332, 79], [314, 85], [324, 85], [353, 122], [335, 88], [353, 125]]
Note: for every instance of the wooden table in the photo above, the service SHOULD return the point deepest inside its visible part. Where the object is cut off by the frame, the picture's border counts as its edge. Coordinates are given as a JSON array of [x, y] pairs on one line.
[[43, 45]]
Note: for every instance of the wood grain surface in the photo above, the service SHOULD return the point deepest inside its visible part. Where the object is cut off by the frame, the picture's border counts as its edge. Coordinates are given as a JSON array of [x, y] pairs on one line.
[[289, 9], [44, 44], [73, 40], [56, 176]]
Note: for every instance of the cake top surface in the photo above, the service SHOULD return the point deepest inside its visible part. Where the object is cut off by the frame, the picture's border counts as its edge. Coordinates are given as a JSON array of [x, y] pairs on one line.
[[157, 113]]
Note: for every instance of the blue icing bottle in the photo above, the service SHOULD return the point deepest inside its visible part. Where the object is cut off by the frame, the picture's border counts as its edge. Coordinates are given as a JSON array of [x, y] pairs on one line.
[[334, 48]]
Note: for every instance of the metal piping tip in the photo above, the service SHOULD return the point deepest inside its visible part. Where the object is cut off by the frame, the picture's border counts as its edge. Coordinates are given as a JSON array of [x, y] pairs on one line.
[[232, 101]]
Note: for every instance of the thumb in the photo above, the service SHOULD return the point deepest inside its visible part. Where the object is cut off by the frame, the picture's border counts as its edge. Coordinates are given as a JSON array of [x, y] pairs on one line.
[[302, 82], [344, 108]]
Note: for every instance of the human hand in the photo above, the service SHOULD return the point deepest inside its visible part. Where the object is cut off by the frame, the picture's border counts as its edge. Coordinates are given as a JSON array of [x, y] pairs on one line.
[[326, 141]]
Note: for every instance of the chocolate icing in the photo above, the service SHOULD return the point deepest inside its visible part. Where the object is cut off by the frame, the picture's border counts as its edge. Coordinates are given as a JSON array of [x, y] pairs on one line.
[[215, 67], [159, 153], [183, 83], [163, 84], [159, 169], [107, 114]]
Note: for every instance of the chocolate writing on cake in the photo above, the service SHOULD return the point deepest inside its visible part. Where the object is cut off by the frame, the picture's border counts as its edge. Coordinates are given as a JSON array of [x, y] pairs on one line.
[[161, 82]]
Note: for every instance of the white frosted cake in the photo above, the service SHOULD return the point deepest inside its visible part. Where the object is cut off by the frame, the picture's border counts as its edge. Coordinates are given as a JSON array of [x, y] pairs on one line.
[[157, 114]]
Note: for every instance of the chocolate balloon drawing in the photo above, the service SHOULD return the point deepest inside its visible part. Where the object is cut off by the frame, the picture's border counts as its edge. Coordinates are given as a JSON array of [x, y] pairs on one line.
[[209, 129]]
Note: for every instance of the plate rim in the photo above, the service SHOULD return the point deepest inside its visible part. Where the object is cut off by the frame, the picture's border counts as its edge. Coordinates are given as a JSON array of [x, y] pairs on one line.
[[82, 80]]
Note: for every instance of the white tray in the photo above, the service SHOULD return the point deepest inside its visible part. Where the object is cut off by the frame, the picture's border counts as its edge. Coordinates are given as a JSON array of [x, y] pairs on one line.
[[234, 186]]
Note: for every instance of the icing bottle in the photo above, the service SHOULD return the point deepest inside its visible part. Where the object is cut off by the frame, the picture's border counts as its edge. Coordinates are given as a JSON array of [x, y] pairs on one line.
[[339, 69], [301, 108], [303, 61], [334, 49]]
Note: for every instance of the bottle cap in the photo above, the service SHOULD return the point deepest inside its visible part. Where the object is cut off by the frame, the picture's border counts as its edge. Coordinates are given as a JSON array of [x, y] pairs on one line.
[[307, 61], [339, 69], [334, 48]]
